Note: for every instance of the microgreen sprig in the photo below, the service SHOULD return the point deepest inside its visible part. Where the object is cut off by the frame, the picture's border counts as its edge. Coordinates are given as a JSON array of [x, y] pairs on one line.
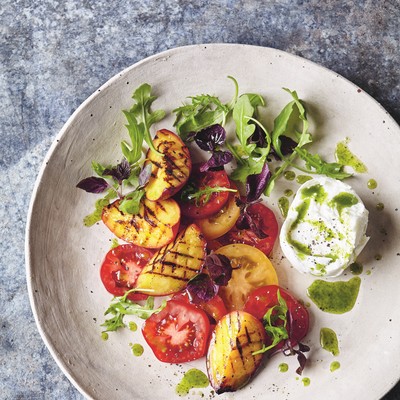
[[122, 306]]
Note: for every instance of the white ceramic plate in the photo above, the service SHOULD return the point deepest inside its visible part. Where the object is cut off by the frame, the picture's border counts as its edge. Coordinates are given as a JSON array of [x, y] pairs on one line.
[[63, 256]]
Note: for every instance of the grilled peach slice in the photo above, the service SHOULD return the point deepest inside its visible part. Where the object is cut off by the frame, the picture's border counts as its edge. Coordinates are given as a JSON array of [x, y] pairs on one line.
[[174, 265], [154, 226], [230, 359], [171, 170]]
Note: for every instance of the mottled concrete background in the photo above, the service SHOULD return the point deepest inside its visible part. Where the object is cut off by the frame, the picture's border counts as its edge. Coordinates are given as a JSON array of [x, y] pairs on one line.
[[54, 54]]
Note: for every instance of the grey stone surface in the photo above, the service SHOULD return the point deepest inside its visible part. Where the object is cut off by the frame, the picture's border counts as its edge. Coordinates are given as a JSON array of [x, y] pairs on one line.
[[54, 54]]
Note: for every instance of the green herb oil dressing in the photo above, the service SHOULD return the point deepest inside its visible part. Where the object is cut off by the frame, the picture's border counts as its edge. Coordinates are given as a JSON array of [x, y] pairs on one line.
[[306, 381], [346, 157], [289, 175], [316, 192], [335, 365], [288, 192], [356, 268], [334, 297], [283, 205], [302, 179], [343, 200], [283, 367], [329, 341], [194, 378], [372, 184], [137, 349], [380, 206], [133, 326]]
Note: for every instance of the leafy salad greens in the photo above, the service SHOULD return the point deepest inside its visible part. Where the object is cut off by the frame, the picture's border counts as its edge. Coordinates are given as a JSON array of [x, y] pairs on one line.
[[203, 120]]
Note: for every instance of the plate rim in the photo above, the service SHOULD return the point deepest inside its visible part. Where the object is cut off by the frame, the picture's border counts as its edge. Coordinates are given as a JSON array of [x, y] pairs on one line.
[[33, 198]]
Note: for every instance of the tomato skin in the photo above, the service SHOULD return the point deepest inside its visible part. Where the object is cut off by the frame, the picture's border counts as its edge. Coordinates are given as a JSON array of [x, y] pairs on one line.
[[267, 223], [201, 180], [121, 268], [178, 333], [265, 297]]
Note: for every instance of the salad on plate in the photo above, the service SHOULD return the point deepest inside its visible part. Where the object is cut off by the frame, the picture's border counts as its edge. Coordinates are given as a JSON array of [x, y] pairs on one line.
[[191, 205]]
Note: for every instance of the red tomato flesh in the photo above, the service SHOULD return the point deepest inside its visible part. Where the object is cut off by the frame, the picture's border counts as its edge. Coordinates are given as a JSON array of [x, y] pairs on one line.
[[201, 180], [121, 268], [265, 297], [178, 333], [266, 221], [214, 308]]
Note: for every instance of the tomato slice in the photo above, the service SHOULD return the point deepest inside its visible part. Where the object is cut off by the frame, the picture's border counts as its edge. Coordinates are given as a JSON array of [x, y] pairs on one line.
[[251, 269], [215, 308], [121, 268], [223, 221], [178, 333], [265, 297], [266, 222], [200, 180]]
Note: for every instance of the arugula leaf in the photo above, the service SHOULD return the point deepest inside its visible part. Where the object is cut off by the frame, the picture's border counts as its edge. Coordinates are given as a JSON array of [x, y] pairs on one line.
[[140, 118], [277, 332], [283, 125], [121, 306], [202, 196], [315, 164], [95, 216], [205, 110], [130, 204], [242, 112]]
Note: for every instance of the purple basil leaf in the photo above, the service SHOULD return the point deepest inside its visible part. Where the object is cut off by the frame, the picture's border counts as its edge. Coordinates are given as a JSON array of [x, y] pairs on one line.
[[93, 184], [302, 359], [218, 159], [120, 172], [258, 137], [303, 347], [219, 267], [248, 221], [201, 288], [210, 138], [287, 146], [145, 174], [256, 183]]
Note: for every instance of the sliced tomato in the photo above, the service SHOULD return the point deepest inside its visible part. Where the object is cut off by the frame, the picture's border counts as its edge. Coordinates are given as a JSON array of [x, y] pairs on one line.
[[215, 308], [223, 221], [121, 268], [267, 224], [251, 268], [266, 297], [203, 207], [178, 333]]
